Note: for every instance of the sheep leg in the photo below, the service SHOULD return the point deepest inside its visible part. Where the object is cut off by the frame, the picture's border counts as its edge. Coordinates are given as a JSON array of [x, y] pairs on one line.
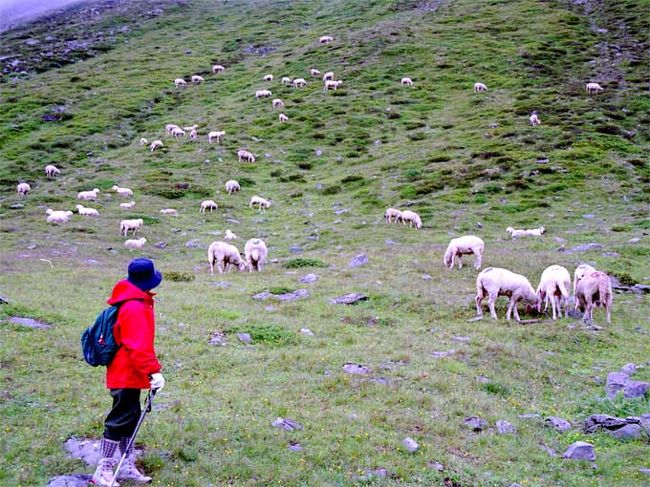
[[477, 261], [491, 301], [554, 305], [211, 267], [515, 311], [460, 261], [479, 300]]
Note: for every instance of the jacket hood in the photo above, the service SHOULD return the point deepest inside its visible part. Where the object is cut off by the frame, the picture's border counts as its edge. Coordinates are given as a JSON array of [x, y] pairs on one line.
[[124, 290]]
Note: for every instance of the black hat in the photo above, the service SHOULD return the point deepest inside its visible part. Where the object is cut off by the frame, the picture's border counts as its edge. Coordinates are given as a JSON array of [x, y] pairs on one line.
[[143, 275]]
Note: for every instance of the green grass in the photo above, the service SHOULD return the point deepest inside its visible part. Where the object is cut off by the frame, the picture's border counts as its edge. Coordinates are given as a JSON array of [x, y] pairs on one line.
[[466, 162]]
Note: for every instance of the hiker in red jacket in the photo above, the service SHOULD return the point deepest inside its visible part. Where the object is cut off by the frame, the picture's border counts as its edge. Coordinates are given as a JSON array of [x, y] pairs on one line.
[[133, 368]]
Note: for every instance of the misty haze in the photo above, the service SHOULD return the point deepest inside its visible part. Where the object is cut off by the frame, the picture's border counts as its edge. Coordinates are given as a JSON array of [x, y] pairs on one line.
[[13, 11]]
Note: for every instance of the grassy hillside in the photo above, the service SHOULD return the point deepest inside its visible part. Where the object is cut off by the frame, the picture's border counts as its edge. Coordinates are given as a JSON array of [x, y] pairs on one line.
[[467, 162]]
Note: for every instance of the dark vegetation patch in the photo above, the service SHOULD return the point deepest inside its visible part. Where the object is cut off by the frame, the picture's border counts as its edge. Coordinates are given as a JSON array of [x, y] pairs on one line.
[[303, 262], [273, 335]]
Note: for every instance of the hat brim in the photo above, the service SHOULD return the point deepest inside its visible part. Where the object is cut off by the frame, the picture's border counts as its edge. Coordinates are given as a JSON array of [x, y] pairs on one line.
[[147, 284]]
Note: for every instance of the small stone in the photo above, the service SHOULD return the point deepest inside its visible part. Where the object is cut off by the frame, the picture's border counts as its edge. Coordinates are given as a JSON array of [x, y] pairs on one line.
[[160, 245], [358, 261], [426, 277], [194, 244], [309, 278], [635, 389], [269, 308], [559, 240], [388, 241], [634, 240], [482, 379], [73, 480], [615, 383], [628, 369], [318, 152], [286, 424], [557, 424], [295, 249], [589, 216], [29, 323], [31, 247], [627, 432], [294, 446], [222, 284], [17, 206], [410, 444], [263, 296], [245, 338], [584, 248], [530, 416], [611, 254], [461, 339], [307, 332], [356, 369], [218, 339], [548, 450], [341, 211], [475, 423], [580, 450], [645, 471], [436, 466], [292, 296], [350, 298], [442, 354], [505, 427]]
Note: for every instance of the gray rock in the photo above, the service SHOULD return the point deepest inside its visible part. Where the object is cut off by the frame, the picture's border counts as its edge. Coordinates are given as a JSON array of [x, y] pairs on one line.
[[73, 480], [410, 444], [615, 383], [505, 427], [16, 206], [548, 450], [218, 339], [350, 298], [442, 354], [233, 221], [306, 332], [611, 254], [194, 244], [160, 245], [341, 211], [557, 424], [628, 432], [295, 249], [640, 289], [294, 446], [292, 296], [514, 485], [584, 248], [628, 369], [29, 323], [263, 296], [461, 339], [358, 261], [318, 152], [356, 369], [245, 338], [436, 466], [286, 424], [580, 450], [388, 241], [309, 278], [475, 423], [589, 216], [559, 240], [635, 389], [596, 422], [634, 240], [222, 284], [645, 471], [426, 277]]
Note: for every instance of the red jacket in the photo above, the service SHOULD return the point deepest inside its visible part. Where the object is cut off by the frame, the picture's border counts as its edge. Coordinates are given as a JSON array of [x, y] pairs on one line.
[[134, 331]]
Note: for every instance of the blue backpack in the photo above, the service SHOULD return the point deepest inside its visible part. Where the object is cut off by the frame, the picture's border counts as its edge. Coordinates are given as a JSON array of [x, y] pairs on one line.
[[97, 341]]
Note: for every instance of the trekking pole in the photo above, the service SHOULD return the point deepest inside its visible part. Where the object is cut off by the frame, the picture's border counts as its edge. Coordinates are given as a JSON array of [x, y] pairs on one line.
[[147, 409]]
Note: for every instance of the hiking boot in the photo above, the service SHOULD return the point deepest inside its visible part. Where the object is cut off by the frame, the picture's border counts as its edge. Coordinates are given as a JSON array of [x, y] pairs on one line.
[[130, 472], [103, 476]]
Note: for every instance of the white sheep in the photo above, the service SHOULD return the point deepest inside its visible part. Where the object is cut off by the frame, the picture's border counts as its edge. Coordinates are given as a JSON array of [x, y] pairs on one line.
[[534, 119], [169, 211], [245, 156], [207, 204], [179, 82], [263, 94], [23, 189], [197, 79], [85, 211], [479, 87], [156, 144], [329, 76], [178, 132], [262, 203], [52, 171], [465, 245], [594, 289], [135, 225], [578, 274], [217, 68], [226, 256], [299, 83], [123, 191], [88, 195], [229, 235], [412, 218], [283, 118], [554, 286], [325, 39], [58, 216], [268, 77], [217, 134], [494, 282], [232, 186], [332, 85], [392, 213], [143, 141], [593, 88], [135, 243], [169, 127], [256, 253], [127, 206], [407, 82], [191, 127], [194, 135], [286, 80], [534, 232], [277, 103], [314, 72]]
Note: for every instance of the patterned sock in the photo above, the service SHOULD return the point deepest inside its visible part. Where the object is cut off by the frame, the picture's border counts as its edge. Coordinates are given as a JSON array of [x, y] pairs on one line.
[[107, 448], [124, 442]]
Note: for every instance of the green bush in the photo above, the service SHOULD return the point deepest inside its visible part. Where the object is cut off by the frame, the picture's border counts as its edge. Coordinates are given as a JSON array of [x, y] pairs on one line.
[[267, 334], [302, 262]]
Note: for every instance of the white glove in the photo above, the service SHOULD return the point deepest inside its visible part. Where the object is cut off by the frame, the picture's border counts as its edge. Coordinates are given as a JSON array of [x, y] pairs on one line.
[[157, 381]]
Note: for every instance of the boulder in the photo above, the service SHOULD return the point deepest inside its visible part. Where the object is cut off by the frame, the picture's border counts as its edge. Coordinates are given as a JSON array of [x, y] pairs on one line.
[[615, 383], [628, 432], [580, 450], [634, 389], [557, 424], [350, 298], [596, 422]]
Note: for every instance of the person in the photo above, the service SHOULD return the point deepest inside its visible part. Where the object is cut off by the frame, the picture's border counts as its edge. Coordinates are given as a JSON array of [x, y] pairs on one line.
[[134, 367]]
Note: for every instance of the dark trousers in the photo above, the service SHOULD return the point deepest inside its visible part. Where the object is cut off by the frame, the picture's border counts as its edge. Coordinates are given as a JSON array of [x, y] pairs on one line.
[[124, 415]]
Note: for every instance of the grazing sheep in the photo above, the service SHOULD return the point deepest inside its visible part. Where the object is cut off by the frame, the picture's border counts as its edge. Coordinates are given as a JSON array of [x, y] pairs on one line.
[[169, 211], [593, 88], [314, 72], [329, 76], [23, 189], [332, 85], [169, 127], [593, 290], [58, 216], [216, 135], [197, 79], [554, 286], [191, 127], [535, 232], [299, 83], [413, 218], [193, 135], [179, 82], [245, 156], [286, 80], [229, 235], [156, 144], [263, 94], [479, 87], [122, 191], [465, 245], [392, 213], [277, 103], [407, 82], [207, 204], [135, 243], [88, 195], [127, 206], [84, 211], [256, 254], [578, 274], [226, 256], [534, 119], [268, 77], [261, 202], [494, 282], [178, 132], [135, 225], [143, 141], [52, 171], [325, 39], [232, 186], [283, 118], [218, 68]]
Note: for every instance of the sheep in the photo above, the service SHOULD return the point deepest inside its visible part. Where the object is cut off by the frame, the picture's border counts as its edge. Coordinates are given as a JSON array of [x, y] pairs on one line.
[[277, 103], [229, 235], [88, 195], [465, 245], [143, 141], [156, 144], [218, 68], [299, 83], [332, 84], [197, 79], [494, 282], [413, 219], [261, 202], [534, 119], [52, 171], [207, 204], [256, 253], [329, 76], [314, 72], [226, 256], [58, 216], [479, 87], [178, 132], [554, 286], [392, 213], [286, 80], [127, 206], [283, 118], [263, 94], [593, 88], [325, 39], [169, 211], [135, 243], [268, 77], [245, 156], [407, 82], [135, 225], [122, 191], [535, 232], [169, 127], [23, 189], [84, 211], [594, 289], [193, 135], [232, 186], [217, 134], [179, 82], [578, 274]]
